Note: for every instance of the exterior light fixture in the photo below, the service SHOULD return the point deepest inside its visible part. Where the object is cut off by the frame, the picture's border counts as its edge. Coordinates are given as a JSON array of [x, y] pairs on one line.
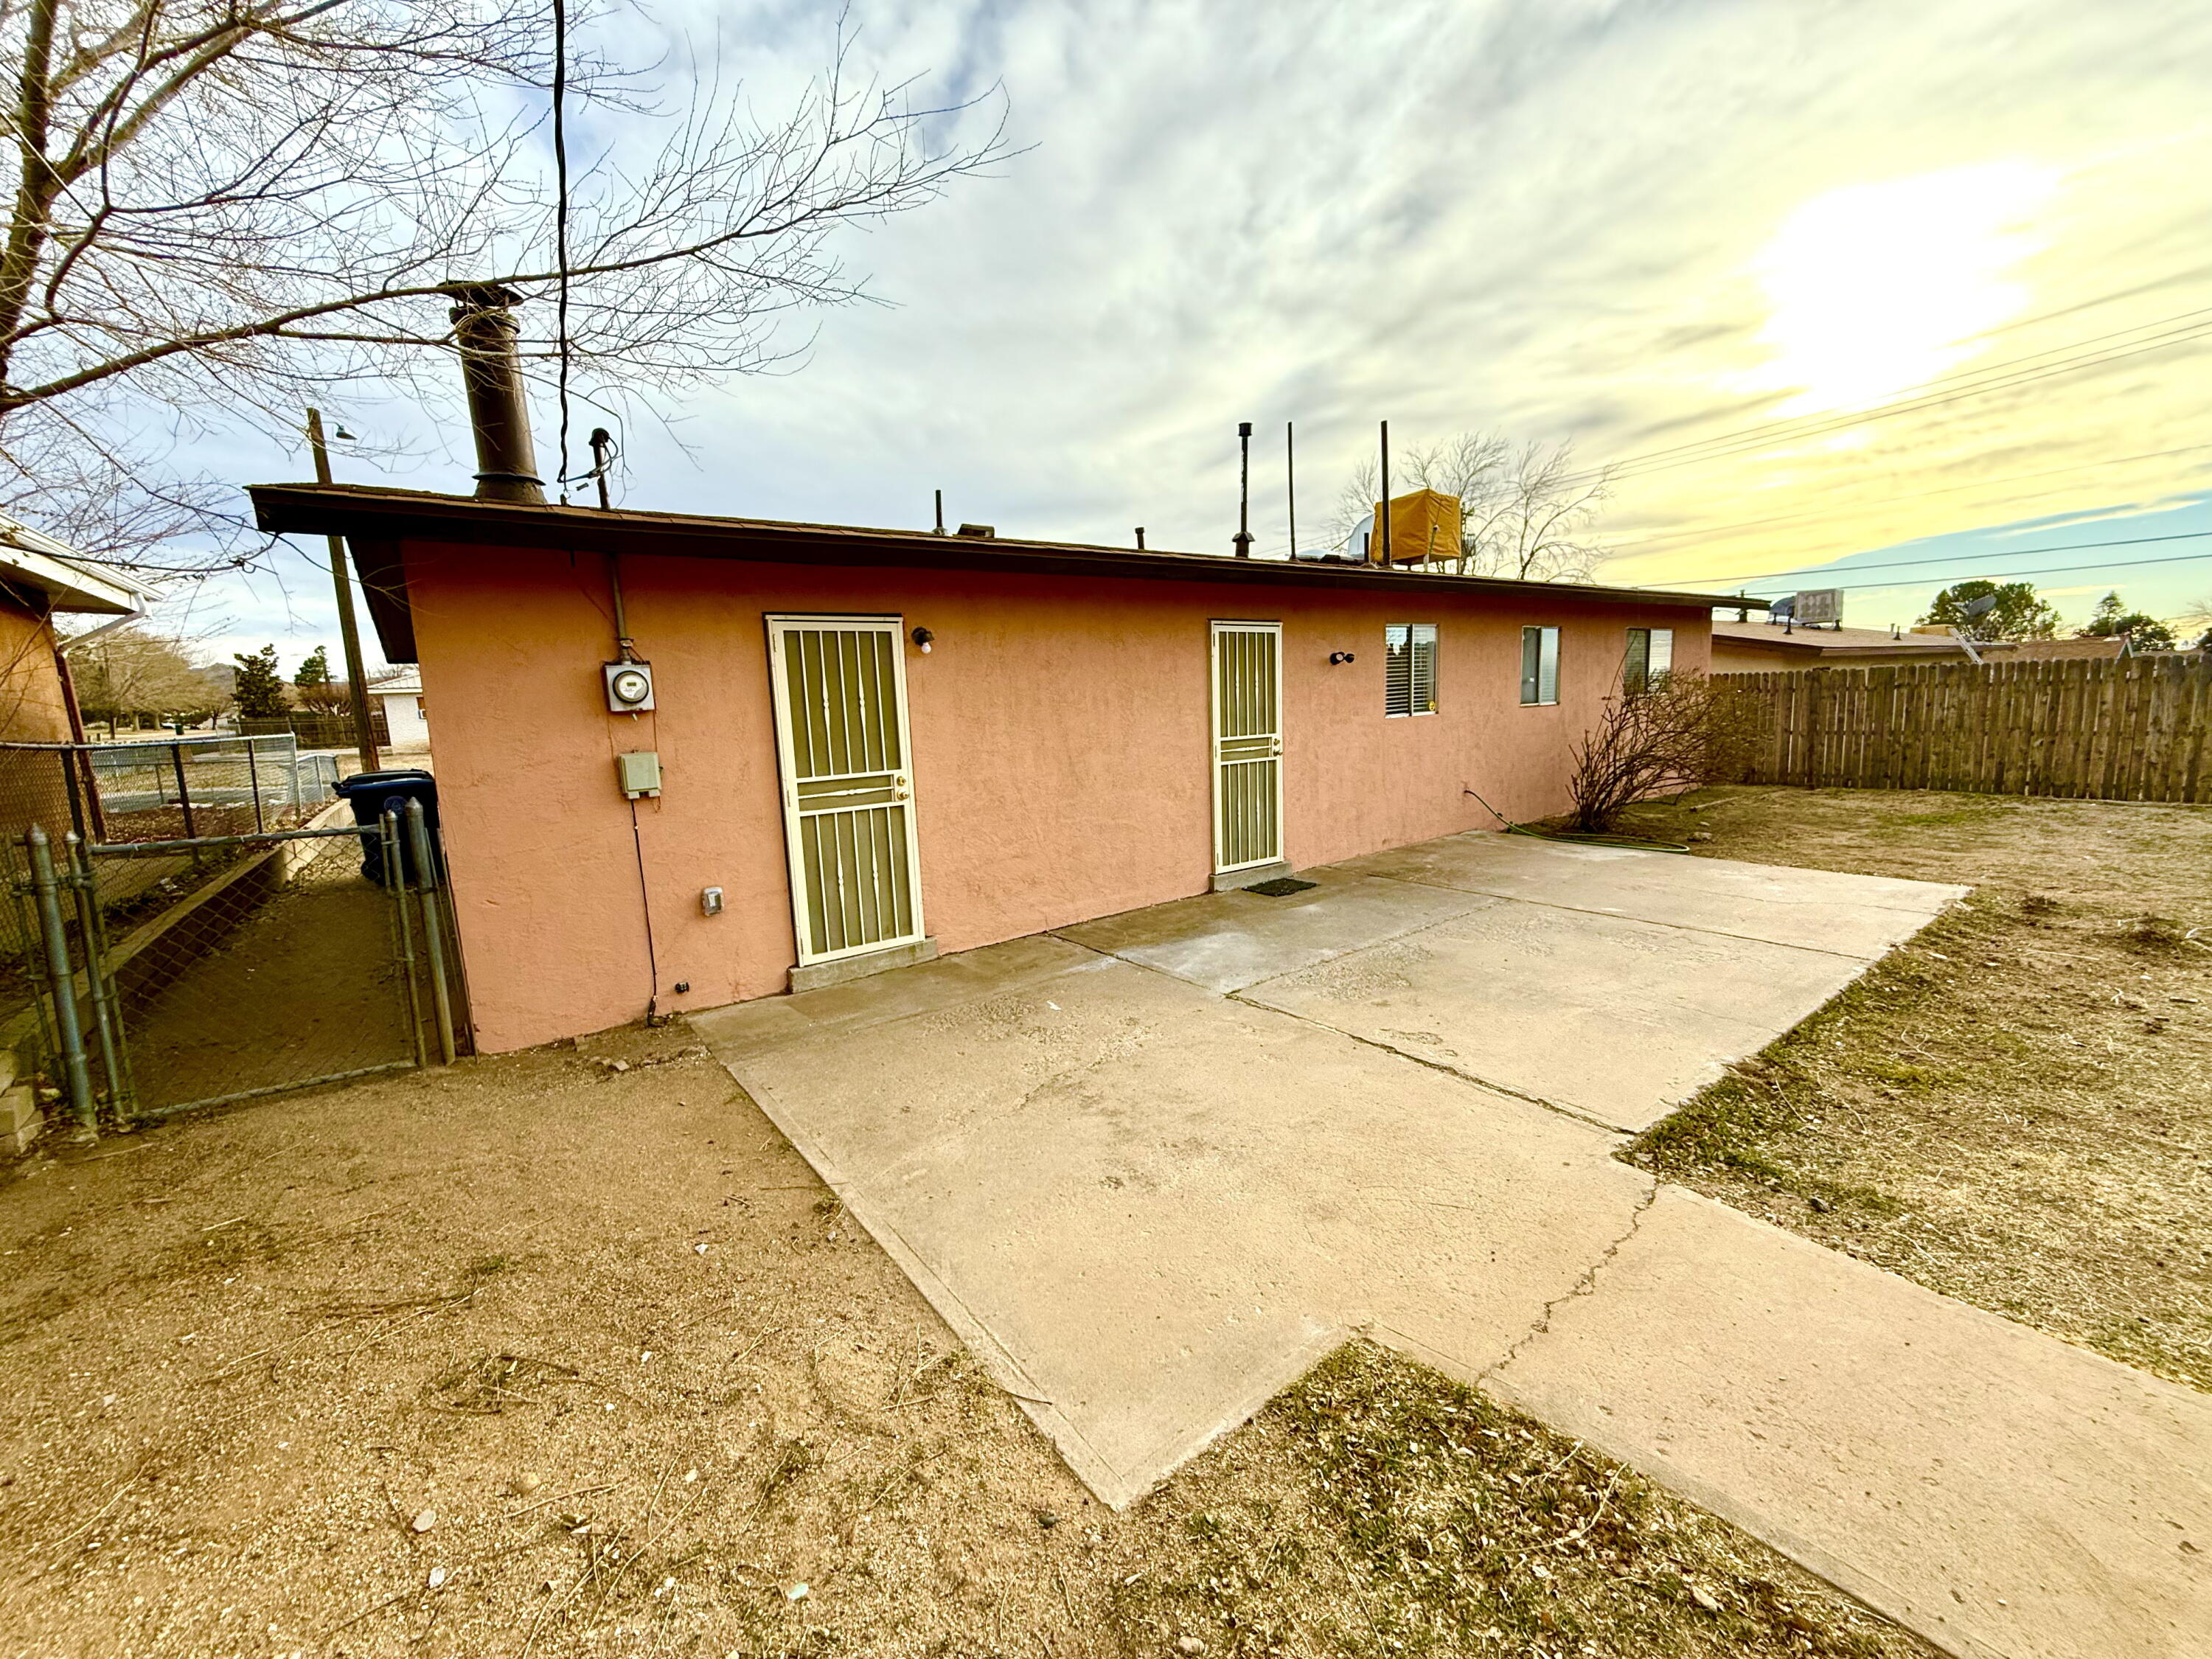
[[923, 638], [1337, 657]]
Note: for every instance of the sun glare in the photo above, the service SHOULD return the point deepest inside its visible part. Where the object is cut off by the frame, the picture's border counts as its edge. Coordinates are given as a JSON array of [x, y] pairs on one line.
[[1875, 289]]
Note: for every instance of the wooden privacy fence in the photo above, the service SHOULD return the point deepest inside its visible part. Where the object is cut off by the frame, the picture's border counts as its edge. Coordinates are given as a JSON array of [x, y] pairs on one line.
[[2133, 728]]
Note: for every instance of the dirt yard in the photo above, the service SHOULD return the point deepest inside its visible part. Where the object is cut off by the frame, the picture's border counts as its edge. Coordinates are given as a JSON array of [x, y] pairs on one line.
[[568, 1353], [2016, 1109]]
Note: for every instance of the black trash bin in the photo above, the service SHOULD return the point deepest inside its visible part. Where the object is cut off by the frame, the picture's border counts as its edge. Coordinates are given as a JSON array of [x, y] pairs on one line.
[[371, 795]]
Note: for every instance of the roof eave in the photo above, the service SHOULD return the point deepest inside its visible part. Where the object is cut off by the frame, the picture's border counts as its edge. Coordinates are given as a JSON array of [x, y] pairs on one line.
[[356, 511]]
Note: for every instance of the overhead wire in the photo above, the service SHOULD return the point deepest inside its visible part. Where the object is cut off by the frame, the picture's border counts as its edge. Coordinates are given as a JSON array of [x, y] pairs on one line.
[[561, 218], [1627, 551], [1946, 558], [2020, 371], [1721, 601]]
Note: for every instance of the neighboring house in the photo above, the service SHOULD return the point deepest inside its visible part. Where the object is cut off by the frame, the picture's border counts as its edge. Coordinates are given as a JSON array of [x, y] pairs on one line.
[[400, 695], [843, 749], [1764, 648], [40, 580]]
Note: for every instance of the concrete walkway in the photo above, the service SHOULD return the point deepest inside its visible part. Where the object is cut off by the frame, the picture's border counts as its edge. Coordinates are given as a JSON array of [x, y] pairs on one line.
[[1151, 1170]]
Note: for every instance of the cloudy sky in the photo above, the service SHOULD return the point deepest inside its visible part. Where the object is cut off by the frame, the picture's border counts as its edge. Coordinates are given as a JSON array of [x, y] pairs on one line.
[[1921, 287]]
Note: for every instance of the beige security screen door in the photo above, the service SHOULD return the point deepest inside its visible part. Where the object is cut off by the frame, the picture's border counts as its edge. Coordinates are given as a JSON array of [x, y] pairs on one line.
[[1248, 744], [848, 814]]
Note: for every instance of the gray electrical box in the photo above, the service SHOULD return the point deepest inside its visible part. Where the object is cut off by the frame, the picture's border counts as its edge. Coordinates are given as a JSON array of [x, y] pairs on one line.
[[639, 773]]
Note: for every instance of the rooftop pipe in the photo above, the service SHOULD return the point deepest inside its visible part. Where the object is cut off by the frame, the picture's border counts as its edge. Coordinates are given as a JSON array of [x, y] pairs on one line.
[[484, 331]]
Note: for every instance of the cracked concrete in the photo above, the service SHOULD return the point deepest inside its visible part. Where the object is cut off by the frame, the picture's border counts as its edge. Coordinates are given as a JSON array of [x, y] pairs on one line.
[[1151, 1170]]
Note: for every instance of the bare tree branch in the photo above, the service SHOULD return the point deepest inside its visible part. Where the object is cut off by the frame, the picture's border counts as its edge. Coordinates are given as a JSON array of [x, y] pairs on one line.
[[1523, 508], [223, 208]]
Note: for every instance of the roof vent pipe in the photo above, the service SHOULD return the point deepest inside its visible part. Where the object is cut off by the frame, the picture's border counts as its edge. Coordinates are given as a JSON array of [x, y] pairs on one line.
[[484, 331]]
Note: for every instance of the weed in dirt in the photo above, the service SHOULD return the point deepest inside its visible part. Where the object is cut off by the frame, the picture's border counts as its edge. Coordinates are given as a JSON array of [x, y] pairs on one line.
[[2158, 934], [1378, 1509]]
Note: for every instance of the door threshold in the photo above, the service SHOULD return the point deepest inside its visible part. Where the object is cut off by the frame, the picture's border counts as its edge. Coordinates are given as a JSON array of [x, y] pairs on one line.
[[816, 975], [1231, 881]]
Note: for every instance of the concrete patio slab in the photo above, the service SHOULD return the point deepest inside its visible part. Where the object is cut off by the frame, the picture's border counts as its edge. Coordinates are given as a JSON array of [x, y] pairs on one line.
[[1146, 1206], [1147, 1209], [1855, 916], [1230, 940], [1614, 1019], [1999, 1491]]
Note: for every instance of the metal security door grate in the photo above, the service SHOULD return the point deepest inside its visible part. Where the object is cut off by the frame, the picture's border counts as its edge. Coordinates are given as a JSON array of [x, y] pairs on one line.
[[840, 725], [1248, 744]]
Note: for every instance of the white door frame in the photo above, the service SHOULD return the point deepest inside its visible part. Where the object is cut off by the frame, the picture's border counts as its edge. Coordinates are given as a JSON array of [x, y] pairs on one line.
[[787, 782], [1215, 630]]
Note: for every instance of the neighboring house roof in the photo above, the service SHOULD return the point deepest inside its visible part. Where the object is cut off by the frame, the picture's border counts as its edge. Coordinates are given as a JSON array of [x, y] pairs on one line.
[[33, 560], [375, 520], [1806, 644], [2055, 650], [405, 682], [1802, 646]]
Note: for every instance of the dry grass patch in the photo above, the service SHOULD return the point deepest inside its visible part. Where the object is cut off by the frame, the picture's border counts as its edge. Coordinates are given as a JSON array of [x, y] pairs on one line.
[[1377, 1509], [2012, 1108]]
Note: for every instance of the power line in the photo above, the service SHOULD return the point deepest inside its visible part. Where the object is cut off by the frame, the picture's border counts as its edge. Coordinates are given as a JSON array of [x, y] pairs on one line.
[[1948, 558], [1627, 551], [560, 216], [2020, 371], [1721, 601]]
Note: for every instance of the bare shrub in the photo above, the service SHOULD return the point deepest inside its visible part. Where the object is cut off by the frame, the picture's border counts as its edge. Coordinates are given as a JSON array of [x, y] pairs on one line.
[[1683, 731]]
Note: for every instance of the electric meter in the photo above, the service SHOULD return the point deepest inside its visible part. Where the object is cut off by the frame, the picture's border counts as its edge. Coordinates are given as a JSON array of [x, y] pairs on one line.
[[629, 687]]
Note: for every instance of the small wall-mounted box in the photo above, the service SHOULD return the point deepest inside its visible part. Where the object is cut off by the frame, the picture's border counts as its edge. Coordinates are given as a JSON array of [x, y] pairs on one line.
[[639, 773]]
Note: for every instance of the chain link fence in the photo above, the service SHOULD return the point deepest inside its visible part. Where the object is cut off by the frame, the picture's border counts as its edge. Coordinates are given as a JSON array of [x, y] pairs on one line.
[[170, 973]]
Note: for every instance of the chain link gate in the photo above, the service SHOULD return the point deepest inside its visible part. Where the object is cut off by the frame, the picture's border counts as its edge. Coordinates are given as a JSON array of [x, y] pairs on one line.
[[196, 971]]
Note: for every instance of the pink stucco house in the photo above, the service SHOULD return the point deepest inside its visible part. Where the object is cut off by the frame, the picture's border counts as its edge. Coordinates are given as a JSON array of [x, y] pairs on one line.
[[684, 761]]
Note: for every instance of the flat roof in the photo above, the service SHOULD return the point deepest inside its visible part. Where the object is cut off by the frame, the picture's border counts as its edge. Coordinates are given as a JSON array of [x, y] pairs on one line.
[[375, 519]]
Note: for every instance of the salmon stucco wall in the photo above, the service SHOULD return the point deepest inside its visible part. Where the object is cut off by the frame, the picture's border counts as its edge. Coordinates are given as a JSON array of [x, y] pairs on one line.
[[31, 706], [1060, 754]]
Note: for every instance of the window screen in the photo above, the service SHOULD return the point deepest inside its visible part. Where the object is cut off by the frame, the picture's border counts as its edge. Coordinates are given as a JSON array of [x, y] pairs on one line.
[[1409, 669], [1540, 664], [1650, 654]]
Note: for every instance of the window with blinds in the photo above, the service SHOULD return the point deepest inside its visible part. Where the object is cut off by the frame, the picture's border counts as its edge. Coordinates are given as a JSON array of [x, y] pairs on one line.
[[1409, 669], [1540, 666], [1650, 655]]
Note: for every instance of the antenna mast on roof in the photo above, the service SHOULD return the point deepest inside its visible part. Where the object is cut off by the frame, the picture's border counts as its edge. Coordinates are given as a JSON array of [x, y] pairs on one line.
[[1244, 491], [1383, 507], [1291, 479]]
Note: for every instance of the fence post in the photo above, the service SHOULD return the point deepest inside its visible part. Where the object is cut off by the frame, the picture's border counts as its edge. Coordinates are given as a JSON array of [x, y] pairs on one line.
[[426, 886], [253, 783], [106, 1017], [61, 978], [184, 794]]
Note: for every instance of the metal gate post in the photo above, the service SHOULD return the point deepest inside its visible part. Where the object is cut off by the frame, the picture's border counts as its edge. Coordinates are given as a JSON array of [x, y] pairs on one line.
[[253, 783], [426, 884], [388, 828], [184, 794], [105, 1019], [62, 980]]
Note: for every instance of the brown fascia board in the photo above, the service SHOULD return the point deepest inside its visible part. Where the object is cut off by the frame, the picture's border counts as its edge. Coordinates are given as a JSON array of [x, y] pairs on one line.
[[375, 521]]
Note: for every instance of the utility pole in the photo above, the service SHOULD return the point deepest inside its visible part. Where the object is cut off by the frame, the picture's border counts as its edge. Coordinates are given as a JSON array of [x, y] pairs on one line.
[[348, 632], [1244, 491]]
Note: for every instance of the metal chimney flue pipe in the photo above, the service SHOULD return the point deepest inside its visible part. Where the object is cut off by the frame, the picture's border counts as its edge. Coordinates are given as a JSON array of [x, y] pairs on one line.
[[484, 331]]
